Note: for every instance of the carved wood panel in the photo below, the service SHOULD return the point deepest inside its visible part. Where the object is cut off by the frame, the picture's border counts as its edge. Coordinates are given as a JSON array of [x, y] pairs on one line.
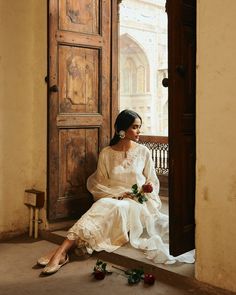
[[78, 157], [77, 152], [80, 87], [79, 16], [78, 79]]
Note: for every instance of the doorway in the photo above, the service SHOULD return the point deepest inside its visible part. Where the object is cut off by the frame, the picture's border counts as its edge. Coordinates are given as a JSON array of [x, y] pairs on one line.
[[143, 63], [83, 103], [157, 79]]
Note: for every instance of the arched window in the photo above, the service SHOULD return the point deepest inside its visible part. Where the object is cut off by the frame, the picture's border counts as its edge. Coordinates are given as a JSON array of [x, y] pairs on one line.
[[141, 79], [134, 74], [129, 77]]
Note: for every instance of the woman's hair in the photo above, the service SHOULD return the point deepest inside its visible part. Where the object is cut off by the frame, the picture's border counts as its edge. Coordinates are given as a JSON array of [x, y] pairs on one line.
[[123, 121]]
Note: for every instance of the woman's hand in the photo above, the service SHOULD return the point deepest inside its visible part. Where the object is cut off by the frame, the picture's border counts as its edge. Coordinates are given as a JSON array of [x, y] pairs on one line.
[[126, 195]]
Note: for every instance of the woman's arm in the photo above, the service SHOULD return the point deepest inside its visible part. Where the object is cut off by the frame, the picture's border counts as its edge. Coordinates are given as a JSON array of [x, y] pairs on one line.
[[151, 178], [100, 185]]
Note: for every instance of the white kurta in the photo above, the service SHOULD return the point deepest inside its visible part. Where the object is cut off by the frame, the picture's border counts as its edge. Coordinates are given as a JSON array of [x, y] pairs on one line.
[[110, 223]]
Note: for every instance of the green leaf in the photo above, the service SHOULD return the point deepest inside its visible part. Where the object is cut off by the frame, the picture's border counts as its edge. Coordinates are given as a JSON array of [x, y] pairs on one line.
[[128, 272], [134, 188], [139, 271], [140, 200], [104, 266], [133, 279], [99, 262]]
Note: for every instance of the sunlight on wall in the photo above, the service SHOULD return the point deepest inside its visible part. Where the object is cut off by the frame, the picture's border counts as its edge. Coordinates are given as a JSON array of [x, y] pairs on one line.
[[23, 66], [216, 144]]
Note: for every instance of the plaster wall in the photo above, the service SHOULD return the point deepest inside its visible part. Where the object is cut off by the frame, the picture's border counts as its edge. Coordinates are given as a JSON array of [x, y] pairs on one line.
[[23, 66], [216, 143]]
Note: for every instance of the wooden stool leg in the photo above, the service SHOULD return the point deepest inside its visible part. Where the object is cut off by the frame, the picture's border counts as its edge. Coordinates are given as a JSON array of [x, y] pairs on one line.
[[36, 223], [31, 221]]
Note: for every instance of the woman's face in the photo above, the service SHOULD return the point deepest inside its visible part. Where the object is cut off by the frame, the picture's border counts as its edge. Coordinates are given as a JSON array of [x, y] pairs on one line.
[[132, 133]]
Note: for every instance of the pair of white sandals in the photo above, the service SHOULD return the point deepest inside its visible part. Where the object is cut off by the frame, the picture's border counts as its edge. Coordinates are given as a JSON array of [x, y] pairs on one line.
[[49, 270]]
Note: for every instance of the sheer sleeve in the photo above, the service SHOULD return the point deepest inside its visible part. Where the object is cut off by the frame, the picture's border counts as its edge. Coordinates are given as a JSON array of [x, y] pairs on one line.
[[99, 184], [150, 174]]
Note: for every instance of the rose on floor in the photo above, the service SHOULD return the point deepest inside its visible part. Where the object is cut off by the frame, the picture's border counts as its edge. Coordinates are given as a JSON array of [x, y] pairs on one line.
[[135, 275], [149, 279], [100, 271], [99, 275]]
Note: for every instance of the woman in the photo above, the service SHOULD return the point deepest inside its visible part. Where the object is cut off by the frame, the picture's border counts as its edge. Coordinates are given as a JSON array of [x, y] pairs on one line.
[[117, 216]]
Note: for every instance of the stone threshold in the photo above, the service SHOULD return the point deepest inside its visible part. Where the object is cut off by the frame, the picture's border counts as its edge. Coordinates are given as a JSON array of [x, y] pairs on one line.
[[180, 275]]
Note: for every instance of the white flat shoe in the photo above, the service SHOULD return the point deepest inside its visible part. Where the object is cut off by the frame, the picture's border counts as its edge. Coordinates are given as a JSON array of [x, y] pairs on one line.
[[43, 261], [49, 270]]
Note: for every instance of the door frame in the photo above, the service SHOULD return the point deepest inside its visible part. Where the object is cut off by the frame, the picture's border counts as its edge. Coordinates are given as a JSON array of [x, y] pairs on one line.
[[176, 220], [114, 77]]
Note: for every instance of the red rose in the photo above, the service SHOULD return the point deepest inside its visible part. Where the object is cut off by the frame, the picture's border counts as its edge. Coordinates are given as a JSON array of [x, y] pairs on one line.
[[149, 279], [99, 275], [147, 188]]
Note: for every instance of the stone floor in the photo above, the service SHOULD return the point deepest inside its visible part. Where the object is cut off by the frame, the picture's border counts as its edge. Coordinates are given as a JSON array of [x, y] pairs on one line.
[[129, 253], [20, 275]]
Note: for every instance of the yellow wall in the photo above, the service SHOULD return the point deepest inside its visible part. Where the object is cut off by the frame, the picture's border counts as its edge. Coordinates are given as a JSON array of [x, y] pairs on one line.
[[23, 66], [216, 143]]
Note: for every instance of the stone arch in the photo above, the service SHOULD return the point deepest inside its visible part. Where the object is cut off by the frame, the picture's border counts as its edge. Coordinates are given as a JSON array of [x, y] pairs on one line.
[[135, 73]]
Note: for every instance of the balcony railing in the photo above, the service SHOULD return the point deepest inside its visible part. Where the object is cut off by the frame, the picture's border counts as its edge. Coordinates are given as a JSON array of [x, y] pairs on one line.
[[158, 145]]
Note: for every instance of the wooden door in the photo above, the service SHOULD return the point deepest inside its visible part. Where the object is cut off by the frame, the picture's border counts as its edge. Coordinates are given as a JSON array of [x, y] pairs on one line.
[[79, 100], [182, 81]]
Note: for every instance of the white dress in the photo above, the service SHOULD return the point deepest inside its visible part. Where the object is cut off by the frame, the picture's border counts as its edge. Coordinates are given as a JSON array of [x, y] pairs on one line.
[[110, 223]]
